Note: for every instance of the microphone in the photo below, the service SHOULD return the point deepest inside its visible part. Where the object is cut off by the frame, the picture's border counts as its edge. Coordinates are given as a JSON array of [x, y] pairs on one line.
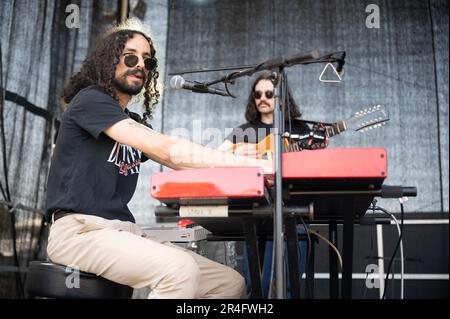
[[340, 64], [340, 67], [177, 82]]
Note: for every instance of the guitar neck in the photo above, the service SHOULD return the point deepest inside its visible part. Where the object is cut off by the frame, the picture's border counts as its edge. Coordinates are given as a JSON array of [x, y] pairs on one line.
[[336, 129]]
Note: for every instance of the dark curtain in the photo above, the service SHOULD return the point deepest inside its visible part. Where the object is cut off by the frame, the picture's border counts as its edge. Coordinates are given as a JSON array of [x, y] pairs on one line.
[[38, 53]]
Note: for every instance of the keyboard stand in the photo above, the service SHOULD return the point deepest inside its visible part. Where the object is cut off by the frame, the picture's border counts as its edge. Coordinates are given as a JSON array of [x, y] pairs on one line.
[[255, 245]]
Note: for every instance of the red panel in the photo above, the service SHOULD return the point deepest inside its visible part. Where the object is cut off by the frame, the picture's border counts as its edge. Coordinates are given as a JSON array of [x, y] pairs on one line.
[[220, 182], [335, 163]]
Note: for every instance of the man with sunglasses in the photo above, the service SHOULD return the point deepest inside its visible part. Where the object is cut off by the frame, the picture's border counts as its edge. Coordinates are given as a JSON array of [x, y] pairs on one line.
[[94, 172], [259, 114]]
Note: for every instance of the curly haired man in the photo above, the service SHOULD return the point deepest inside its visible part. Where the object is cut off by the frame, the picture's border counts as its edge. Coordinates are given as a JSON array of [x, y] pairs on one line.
[[94, 172]]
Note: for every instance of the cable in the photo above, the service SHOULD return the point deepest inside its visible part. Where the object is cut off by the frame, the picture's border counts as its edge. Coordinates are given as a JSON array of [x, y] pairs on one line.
[[399, 244], [270, 296], [309, 239], [402, 260], [402, 271], [371, 257], [308, 259], [329, 243]]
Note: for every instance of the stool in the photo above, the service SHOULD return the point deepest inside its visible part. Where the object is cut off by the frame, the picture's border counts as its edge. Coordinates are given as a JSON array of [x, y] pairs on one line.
[[49, 280]]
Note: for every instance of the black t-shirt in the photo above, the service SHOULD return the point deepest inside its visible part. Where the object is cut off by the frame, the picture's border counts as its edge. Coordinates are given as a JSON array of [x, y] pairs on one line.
[[90, 173], [255, 133]]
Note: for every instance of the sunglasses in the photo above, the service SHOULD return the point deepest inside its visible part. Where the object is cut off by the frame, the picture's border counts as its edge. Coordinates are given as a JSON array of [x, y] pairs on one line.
[[132, 60], [258, 94]]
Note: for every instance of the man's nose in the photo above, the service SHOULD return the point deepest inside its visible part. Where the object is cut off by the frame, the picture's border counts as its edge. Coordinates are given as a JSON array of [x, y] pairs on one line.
[[140, 64]]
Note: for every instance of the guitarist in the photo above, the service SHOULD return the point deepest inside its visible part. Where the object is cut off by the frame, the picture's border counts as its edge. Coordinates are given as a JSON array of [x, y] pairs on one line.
[[259, 114]]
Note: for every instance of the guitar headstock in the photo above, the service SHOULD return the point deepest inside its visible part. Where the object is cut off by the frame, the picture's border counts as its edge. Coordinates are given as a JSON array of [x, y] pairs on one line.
[[368, 119]]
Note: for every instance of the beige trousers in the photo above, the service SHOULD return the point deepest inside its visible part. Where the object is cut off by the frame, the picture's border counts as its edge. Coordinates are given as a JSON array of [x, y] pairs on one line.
[[118, 251]]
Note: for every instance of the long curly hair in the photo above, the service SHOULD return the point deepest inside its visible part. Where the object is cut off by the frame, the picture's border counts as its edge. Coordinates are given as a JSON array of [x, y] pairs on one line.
[[99, 69], [252, 114]]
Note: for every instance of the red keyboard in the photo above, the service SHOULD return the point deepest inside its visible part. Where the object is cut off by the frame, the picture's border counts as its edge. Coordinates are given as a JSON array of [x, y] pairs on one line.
[[335, 163], [221, 185], [334, 168]]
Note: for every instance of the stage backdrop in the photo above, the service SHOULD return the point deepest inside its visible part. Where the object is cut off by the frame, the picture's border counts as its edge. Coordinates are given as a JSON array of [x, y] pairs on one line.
[[38, 53], [402, 65]]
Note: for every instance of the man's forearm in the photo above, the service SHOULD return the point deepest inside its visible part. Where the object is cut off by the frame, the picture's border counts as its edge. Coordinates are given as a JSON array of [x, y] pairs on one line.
[[176, 152], [187, 154]]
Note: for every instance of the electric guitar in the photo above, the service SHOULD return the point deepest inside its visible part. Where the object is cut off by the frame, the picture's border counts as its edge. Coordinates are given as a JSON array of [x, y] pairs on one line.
[[361, 121]]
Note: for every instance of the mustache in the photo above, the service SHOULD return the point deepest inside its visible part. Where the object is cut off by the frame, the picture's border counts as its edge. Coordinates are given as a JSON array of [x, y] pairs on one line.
[[132, 72], [263, 103]]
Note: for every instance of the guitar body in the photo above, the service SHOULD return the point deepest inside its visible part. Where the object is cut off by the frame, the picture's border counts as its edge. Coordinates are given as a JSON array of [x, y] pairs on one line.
[[361, 121], [265, 148]]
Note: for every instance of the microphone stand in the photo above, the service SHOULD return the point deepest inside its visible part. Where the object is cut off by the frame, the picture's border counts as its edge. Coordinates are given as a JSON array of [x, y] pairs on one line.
[[278, 235], [281, 98]]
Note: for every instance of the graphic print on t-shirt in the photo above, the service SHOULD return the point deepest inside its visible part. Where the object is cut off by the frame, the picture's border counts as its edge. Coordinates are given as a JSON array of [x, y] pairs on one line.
[[126, 158]]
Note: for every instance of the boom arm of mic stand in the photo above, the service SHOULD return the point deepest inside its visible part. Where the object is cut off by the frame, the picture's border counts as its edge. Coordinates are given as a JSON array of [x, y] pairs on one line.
[[313, 57], [279, 62]]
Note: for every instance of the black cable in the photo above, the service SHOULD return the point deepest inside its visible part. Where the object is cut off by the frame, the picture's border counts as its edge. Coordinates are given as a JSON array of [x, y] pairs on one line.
[[371, 248], [309, 239], [396, 246], [308, 259]]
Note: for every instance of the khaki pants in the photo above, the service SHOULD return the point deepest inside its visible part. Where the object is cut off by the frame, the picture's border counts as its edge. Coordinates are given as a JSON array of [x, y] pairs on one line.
[[118, 251]]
